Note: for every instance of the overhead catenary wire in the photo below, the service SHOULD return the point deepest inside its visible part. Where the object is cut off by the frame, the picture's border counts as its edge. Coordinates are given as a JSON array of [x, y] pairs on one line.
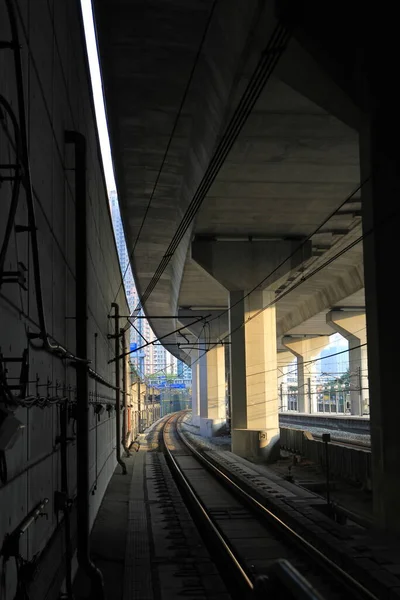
[[15, 184], [314, 350], [23, 164], [266, 65], [295, 285], [56, 349], [265, 279], [171, 137], [301, 245], [158, 339], [273, 302], [304, 278]]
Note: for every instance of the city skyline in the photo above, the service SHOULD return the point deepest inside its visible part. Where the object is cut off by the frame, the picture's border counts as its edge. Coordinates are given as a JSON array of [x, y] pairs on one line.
[[153, 358]]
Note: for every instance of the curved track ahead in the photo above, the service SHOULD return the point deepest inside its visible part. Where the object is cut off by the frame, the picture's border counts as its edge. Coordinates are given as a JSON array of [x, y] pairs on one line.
[[248, 542]]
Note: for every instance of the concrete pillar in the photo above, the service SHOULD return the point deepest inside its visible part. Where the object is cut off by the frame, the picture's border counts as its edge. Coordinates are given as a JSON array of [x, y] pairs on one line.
[[212, 403], [283, 360], [208, 369], [238, 361], [352, 326], [254, 398], [306, 349], [202, 385], [380, 192], [195, 388], [242, 266]]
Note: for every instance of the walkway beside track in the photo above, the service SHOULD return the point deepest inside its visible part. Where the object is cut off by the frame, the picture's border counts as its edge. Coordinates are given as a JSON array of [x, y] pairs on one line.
[[144, 540], [148, 548]]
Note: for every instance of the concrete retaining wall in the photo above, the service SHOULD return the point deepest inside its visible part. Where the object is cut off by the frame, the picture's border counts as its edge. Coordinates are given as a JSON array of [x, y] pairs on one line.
[[58, 98], [350, 464], [334, 422]]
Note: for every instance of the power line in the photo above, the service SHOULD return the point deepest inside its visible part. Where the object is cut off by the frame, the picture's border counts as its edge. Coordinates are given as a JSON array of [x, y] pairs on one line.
[[266, 65], [302, 280], [294, 286], [183, 100], [303, 243]]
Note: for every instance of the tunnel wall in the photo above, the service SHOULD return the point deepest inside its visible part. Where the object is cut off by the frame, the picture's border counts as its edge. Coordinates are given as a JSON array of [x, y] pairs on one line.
[[57, 98]]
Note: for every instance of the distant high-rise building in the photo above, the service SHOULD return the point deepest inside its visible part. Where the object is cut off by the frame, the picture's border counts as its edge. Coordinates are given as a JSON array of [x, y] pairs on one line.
[[152, 357], [120, 242], [334, 360], [183, 370]]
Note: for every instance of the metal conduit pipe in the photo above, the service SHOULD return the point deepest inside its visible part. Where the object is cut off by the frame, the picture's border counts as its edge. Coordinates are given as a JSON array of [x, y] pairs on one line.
[[117, 390], [125, 431], [15, 186], [15, 46], [66, 504], [82, 385], [139, 407]]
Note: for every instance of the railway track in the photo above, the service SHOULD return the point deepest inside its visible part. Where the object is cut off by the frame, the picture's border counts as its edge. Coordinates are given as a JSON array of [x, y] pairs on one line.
[[255, 551]]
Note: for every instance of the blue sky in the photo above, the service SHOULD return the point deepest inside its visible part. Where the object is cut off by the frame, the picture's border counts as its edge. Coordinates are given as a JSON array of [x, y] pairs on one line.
[[98, 94]]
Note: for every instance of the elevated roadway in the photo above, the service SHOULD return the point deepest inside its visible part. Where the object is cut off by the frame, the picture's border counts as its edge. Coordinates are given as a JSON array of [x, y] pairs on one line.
[[315, 149], [173, 75]]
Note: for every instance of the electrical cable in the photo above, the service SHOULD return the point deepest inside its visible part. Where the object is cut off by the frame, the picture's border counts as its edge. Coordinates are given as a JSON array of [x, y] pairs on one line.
[[3, 467], [266, 65], [27, 181], [302, 280], [308, 276], [301, 245], [346, 200], [15, 187], [332, 214], [281, 264], [177, 117], [22, 566]]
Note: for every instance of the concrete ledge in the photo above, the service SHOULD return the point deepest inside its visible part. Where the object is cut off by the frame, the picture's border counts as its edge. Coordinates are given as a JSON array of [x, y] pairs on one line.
[[209, 427], [255, 445], [196, 420], [352, 424]]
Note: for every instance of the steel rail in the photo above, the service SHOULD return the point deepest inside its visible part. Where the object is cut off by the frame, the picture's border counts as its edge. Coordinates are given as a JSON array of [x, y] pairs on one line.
[[240, 573], [326, 563], [281, 577]]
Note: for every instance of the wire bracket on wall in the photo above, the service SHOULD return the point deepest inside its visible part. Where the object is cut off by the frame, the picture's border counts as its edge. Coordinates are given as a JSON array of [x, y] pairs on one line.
[[11, 546], [10, 167], [8, 45], [17, 276], [23, 378], [23, 228]]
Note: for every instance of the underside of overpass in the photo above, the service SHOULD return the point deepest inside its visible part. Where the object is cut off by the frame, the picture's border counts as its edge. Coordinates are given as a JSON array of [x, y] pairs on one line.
[[255, 149], [171, 98]]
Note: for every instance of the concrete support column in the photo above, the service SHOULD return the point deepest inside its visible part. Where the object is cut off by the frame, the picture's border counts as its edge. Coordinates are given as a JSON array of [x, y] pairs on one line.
[[212, 405], [238, 361], [254, 398], [380, 192], [283, 360], [306, 349], [211, 390], [195, 388], [352, 326], [261, 363], [241, 266], [202, 386]]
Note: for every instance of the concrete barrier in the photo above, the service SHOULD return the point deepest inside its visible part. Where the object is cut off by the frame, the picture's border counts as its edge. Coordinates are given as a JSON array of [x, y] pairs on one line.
[[349, 464]]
